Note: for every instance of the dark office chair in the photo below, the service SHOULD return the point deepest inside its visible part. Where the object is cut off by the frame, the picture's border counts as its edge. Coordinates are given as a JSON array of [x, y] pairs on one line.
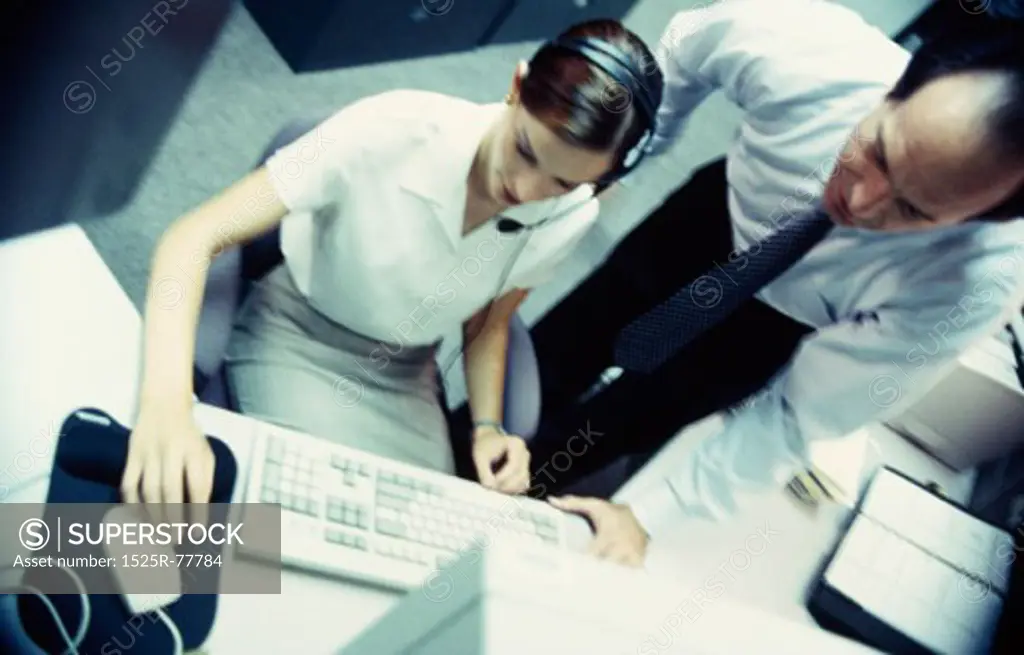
[[232, 273]]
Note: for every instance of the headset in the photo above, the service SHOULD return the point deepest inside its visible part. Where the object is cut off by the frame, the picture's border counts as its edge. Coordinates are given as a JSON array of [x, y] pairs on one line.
[[647, 98], [643, 91], [625, 74]]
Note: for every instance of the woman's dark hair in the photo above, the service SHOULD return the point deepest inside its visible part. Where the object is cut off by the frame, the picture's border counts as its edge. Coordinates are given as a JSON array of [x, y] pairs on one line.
[[980, 44], [574, 98]]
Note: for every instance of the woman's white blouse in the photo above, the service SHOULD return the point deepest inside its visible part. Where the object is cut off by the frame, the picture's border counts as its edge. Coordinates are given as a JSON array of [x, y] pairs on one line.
[[376, 196]]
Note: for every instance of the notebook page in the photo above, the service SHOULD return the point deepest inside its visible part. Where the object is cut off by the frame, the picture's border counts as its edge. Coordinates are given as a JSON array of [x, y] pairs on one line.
[[947, 531], [917, 595]]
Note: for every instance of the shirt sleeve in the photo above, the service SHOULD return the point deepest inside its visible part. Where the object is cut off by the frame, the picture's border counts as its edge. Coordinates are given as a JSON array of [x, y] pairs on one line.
[[840, 379], [308, 173], [764, 56]]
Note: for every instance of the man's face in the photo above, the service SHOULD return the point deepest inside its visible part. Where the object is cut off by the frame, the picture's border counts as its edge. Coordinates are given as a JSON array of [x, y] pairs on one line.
[[924, 162]]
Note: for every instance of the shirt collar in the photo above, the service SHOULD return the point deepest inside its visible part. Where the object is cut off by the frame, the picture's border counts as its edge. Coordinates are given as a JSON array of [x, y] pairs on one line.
[[437, 168]]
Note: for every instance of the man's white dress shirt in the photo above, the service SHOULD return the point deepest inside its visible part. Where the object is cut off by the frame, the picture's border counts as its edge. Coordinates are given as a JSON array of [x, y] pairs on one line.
[[374, 237], [891, 311]]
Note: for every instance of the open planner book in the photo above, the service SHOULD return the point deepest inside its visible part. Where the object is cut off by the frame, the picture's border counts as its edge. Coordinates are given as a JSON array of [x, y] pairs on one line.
[[919, 566]]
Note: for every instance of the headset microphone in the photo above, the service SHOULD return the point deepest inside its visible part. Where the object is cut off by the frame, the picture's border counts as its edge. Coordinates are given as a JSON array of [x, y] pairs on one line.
[[509, 226]]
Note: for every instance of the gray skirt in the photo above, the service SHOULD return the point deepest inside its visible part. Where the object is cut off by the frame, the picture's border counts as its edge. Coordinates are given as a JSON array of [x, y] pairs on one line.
[[290, 365]]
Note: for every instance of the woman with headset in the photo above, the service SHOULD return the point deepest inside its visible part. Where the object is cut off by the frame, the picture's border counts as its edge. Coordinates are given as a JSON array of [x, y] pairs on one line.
[[404, 216]]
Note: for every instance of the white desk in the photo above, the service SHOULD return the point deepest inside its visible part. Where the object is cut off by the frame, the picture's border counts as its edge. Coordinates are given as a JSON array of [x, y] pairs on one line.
[[72, 338], [769, 553]]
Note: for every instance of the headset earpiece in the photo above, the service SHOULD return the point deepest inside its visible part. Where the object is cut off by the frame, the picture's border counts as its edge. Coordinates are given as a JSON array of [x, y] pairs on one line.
[[630, 160]]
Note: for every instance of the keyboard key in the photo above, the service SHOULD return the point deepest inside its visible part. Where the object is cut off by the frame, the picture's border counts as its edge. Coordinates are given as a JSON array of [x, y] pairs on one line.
[[271, 473], [396, 491], [339, 462], [391, 528], [335, 514], [391, 502], [361, 543], [364, 470], [270, 496], [350, 478], [275, 450], [392, 551]]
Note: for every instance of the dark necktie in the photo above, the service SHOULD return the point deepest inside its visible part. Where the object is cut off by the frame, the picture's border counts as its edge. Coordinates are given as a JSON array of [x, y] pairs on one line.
[[654, 337]]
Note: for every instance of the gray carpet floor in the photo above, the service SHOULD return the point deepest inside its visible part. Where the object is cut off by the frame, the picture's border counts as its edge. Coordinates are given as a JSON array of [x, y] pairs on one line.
[[245, 92]]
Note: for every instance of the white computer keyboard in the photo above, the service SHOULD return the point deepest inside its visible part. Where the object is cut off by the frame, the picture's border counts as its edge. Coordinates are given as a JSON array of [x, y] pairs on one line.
[[363, 517]]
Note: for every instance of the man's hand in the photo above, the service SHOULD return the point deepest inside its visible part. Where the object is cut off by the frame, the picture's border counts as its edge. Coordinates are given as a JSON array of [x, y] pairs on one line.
[[618, 536], [491, 446]]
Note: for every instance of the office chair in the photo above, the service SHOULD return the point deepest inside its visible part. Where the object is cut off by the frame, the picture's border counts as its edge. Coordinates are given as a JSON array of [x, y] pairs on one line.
[[232, 273]]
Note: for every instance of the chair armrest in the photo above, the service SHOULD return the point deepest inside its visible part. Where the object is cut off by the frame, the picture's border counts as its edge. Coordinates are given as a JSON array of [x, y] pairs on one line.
[[217, 315], [522, 382]]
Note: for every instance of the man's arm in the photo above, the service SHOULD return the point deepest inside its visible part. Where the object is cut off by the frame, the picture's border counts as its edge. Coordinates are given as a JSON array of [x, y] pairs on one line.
[[841, 378], [768, 58]]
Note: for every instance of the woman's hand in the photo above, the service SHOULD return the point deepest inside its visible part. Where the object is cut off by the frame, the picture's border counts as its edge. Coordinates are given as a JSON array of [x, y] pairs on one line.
[[491, 446], [167, 454]]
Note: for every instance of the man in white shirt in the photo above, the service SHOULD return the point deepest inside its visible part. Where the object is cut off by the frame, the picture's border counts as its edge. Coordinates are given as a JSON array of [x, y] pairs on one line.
[[919, 162]]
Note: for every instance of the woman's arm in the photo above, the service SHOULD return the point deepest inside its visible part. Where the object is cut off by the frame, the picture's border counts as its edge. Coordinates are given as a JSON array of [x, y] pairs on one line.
[[242, 212], [485, 339], [167, 453], [486, 352]]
